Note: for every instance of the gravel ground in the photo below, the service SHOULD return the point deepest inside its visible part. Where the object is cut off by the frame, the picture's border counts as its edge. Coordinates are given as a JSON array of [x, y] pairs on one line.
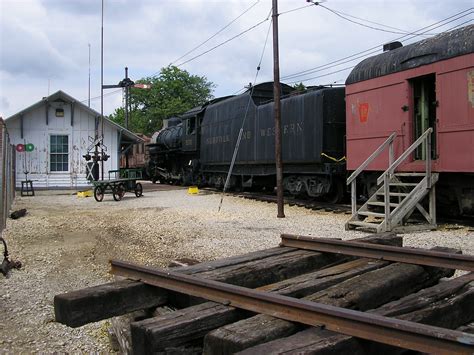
[[65, 242]]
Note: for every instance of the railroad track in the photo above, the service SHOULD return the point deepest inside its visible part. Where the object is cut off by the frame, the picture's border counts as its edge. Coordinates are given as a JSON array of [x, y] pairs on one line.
[[290, 201], [317, 295], [341, 208]]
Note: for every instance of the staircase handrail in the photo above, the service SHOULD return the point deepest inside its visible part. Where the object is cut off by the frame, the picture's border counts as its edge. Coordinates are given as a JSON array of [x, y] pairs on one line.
[[374, 155], [406, 153], [352, 179]]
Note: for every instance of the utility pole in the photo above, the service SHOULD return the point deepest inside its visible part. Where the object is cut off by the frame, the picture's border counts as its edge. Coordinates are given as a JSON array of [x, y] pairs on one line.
[[102, 90], [276, 95], [127, 93], [126, 84], [89, 97]]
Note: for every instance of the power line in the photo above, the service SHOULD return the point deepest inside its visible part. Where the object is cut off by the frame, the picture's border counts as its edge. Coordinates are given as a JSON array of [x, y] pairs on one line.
[[215, 34], [239, 138], [376, 23], [322, 75], [374, 49], [230, 39], [343, 16], [298, 8], [351, 67], [98, 97], [225, 42]]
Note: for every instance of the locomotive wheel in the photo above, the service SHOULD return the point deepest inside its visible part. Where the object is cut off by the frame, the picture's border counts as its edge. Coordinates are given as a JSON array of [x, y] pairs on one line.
[[138, 189], [98, 193], [336, 193], [118, 192]]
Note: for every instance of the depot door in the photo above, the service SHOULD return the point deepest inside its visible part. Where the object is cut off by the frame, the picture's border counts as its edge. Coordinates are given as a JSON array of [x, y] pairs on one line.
[[424, 112]]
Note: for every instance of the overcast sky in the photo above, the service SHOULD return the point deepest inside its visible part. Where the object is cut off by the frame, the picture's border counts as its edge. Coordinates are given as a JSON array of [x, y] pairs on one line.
[[44, 43]]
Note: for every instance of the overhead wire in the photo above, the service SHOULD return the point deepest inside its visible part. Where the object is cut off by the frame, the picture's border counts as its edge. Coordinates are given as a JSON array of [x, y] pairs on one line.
[[340, 14], [376, 49], [98, 97], [215, 34], [351, 67], [222, 43], [234, 37], [322, 75], [292, 10], [379, 24], [239, 138]]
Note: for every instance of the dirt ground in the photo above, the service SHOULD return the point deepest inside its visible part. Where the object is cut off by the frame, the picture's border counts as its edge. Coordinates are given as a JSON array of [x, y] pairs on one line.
[[65, 242]]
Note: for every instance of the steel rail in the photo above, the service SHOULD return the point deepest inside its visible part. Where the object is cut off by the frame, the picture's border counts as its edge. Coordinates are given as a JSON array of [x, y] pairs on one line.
[[381, 252], [372, 327]]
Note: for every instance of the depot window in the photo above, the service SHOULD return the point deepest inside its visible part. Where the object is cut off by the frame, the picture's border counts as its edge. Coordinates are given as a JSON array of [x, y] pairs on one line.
[[59, 153], [59, 112]]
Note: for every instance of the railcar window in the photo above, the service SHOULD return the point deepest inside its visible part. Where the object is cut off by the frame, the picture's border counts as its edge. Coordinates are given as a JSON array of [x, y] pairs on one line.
[[191, 125]]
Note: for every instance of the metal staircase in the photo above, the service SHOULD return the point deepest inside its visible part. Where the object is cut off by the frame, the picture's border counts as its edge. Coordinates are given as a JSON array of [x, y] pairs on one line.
[[398, 195]]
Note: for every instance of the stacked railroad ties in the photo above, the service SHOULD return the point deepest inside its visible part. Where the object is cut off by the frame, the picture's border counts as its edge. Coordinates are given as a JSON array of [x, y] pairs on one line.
[[308, 296]]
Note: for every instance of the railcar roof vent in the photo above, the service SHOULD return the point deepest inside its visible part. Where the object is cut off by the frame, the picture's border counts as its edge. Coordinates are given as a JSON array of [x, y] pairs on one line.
[[391, 46]]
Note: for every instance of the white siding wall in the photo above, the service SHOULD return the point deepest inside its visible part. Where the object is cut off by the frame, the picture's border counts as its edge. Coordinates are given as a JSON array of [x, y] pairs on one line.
[[37, 132]]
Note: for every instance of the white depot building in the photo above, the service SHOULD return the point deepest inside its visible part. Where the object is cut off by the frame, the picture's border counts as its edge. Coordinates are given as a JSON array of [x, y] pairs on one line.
[[52, 136]]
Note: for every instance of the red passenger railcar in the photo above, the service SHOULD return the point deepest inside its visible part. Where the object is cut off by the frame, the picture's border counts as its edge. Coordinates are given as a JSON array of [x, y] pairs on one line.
[[407, 90]]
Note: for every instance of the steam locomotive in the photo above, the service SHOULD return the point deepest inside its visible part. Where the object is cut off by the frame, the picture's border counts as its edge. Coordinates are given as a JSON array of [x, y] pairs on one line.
[[404, 91], [197, 147]]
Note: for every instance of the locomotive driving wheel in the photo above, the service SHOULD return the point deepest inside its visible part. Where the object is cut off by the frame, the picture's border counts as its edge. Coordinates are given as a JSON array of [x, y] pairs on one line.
[[336, 193], [98, 193], [138, 189], [118, 192]]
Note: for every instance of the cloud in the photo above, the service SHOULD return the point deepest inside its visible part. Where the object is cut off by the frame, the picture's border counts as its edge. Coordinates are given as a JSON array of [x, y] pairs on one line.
[[48, 39], [4, 102], [28, 51]]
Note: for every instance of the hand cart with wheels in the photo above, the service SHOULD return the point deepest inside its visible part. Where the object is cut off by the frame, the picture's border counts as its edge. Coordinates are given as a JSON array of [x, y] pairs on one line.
[[119, 182]]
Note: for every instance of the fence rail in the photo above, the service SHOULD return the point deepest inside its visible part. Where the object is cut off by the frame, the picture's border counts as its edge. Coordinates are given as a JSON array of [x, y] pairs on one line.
[[7, 176]]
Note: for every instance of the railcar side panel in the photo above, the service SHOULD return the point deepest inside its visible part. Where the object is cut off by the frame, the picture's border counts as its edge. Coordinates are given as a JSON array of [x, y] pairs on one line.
[[377, 107], [312, 123]]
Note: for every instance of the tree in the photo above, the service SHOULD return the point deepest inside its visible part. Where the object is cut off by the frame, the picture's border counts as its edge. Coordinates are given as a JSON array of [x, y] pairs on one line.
[[299, 87], [173, 92]]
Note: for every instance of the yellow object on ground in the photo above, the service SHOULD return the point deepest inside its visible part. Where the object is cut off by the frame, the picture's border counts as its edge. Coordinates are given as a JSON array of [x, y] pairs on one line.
[[86, 193], [193, 190]]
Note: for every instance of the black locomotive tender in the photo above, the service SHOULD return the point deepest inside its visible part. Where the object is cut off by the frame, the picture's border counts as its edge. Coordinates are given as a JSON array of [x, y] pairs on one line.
[[197, 147]]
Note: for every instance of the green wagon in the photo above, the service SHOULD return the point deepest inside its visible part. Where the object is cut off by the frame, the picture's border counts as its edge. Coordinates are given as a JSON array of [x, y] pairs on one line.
[[119, 182]]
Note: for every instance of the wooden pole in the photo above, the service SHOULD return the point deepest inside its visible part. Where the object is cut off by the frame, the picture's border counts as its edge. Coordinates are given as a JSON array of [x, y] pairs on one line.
[[277, 94]]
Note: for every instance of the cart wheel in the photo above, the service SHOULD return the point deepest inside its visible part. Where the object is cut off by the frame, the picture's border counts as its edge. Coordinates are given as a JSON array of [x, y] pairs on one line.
[[118, 192], [138, 189], [98, 193]]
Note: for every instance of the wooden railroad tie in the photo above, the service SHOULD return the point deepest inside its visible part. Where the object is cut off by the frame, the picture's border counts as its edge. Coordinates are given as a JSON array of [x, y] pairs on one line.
[[318, 276]]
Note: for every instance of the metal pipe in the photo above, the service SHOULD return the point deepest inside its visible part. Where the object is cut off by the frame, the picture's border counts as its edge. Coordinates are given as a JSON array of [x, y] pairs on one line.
[[368, 326], [428, 160], [386, 196], [354, 197], [381, 252]]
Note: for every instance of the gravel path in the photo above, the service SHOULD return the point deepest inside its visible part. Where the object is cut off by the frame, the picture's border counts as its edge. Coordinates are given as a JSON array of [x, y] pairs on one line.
[[65, 242]]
